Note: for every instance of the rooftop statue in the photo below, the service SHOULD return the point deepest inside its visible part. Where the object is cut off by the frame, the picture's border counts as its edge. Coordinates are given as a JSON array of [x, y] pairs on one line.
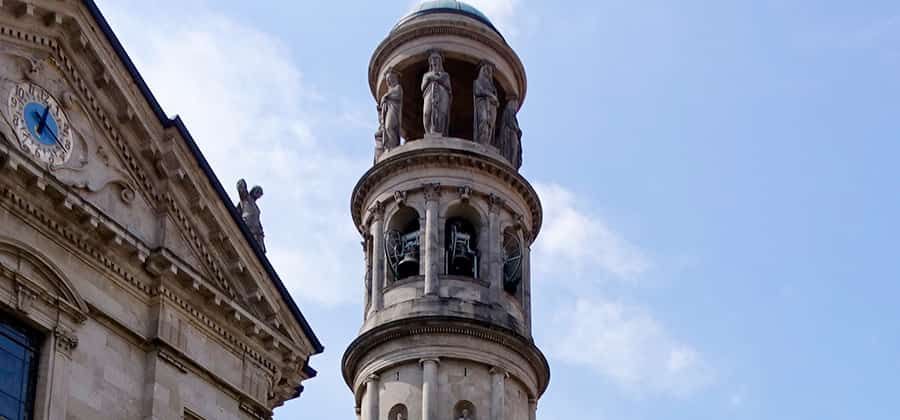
[[438, 94], [250, 211], [486, 104]]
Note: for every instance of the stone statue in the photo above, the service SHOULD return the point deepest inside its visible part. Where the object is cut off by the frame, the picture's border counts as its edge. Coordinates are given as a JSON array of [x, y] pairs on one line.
[[438, 94], [250, 211], [486, 104], [465, 414], [390, 111], [510, 139]]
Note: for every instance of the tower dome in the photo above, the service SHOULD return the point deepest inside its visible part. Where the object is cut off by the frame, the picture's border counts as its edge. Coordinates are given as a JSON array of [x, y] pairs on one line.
[[448, 6]]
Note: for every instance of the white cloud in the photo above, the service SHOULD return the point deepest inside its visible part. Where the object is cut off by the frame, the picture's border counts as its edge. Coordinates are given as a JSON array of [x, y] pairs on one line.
[[252, 114], [575, 239], [633, 350]]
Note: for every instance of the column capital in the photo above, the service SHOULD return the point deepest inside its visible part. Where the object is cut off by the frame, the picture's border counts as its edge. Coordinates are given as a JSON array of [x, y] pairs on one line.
[[495, 203], [372, 378], [436, 360], [499, 371], [432, 191], [377, 210]]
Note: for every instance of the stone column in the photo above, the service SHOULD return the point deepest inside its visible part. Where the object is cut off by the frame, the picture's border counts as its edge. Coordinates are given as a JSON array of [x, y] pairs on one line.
[[52, 397], [377, 231], [532, 409], [495, 249], [432, 240], [429, 388], [526, 284], [370, 408], [498, 393]]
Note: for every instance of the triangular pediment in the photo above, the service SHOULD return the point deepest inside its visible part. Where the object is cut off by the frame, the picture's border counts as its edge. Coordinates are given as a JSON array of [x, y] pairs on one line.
[[127, 161]]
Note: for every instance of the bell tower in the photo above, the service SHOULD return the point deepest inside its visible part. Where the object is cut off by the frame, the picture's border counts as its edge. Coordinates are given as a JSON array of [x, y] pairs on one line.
[[447, 223]]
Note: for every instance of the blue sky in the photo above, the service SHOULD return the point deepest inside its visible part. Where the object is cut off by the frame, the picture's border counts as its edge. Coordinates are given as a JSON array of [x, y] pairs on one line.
[[719, 178]]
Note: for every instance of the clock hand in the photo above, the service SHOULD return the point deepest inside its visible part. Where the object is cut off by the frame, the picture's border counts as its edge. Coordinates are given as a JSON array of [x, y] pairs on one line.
[[43, 122]]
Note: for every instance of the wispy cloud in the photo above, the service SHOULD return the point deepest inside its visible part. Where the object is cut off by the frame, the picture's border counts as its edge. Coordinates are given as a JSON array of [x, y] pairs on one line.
[[572, 237], [627, 345], [254, 116]]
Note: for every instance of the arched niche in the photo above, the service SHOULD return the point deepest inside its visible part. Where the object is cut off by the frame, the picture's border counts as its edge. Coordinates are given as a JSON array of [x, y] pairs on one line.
[[398, 412], [463, 71], [403, 244], [36, 276], [464, 410], [462, 240], [513, 253]]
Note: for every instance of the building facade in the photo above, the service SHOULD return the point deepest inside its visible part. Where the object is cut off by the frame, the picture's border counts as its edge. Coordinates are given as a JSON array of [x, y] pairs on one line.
[[130, 285], [448, 223]]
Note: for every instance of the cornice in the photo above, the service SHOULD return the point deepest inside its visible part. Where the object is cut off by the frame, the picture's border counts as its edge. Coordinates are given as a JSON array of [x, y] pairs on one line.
[[444, 157], [442, 325], [145, 147], [435, 27], [85, 225]]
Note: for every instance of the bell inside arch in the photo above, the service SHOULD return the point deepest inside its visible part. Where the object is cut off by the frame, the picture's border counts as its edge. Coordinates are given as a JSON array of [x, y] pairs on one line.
[[402, 248], [462, 255]]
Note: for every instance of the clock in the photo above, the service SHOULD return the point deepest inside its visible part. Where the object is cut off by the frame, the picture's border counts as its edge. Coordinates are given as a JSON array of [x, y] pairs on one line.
[[40, 123]]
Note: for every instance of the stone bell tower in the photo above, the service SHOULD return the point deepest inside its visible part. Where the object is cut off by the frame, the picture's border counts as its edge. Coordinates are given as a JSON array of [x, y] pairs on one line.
[[448, 223]]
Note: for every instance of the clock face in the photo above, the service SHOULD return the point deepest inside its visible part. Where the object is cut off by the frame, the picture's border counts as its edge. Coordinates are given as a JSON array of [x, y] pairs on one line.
[[40, 123]]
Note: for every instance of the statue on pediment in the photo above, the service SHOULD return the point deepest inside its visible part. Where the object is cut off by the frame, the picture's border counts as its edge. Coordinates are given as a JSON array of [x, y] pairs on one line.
[[249, 211]]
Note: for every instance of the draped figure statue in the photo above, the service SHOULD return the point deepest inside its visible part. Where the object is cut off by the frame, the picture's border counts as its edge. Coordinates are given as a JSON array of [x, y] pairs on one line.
[[390, 112], [249, 211], [510, 140], [438, 94], [486, 104]]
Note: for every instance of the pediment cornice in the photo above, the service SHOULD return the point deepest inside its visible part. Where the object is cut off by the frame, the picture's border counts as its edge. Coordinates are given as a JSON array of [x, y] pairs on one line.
[[164, 163]]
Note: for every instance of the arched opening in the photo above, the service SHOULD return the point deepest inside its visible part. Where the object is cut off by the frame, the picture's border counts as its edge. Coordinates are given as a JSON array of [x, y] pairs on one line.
[[464, 410], [462, 78], [402, 244], [512, 261], [461, 241], [398, 412]]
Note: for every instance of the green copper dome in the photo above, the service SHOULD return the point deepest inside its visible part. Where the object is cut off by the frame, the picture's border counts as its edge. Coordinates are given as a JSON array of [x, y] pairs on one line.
[[448, 6]]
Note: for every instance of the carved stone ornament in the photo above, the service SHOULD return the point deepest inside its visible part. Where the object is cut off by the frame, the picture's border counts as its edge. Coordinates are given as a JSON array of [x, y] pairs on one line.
[[438, 95], [486, 104], [390, 112], [24, 299], [465, 193], [65, 341], [249, 211], [432, 191], [400, 198]]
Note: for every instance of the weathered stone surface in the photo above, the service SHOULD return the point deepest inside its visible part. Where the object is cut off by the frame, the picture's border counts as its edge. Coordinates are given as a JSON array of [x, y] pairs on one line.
[[121, 249], [453, 342]]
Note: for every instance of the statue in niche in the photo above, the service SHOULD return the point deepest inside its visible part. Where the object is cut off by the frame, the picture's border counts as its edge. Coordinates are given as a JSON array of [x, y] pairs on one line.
[[389, 112], [250, 211], [486, 104], [510, 138], [438, 94]]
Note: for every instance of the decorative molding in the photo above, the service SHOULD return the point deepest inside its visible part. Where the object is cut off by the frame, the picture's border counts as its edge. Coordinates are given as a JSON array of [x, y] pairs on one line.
[[24, 299], [445, 325], [172, 360], [65, 341], [446, 157]]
